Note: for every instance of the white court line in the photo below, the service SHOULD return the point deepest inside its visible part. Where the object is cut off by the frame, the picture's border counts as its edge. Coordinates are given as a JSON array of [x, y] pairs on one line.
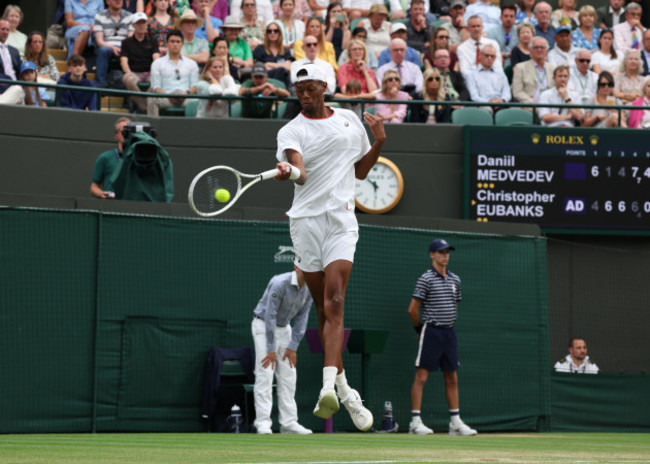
[[580, 461]]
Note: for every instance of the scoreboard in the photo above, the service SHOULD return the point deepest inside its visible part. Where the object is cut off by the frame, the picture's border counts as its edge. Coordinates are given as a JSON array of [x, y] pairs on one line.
[[558, 178]]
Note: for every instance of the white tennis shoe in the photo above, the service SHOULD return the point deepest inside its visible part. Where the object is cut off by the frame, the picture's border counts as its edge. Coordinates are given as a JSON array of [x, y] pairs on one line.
[[461, 428], [418, 428], [327, 404], [295, 428], [361, 417]]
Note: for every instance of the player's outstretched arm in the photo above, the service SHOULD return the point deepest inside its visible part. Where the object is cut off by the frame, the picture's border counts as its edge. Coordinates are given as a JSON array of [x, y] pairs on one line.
[[293, 158], [365, 164]]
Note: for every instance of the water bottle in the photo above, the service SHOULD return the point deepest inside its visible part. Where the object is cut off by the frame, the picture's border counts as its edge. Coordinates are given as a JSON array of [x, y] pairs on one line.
[[235, 419], [388, 424]]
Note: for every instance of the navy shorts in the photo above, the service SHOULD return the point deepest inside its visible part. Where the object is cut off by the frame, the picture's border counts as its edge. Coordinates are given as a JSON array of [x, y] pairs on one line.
[[437, 349]]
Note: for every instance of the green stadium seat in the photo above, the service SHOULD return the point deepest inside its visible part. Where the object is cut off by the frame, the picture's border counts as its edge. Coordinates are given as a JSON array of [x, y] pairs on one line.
[[191, 109], [513, 117], [508, 72], [280, 111], [472, 117], [172, 112], [369, 109], [235, 109], [438, 22]]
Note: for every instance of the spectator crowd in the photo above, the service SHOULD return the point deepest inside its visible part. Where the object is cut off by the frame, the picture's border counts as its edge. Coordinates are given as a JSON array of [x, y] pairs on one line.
[[394, 52]]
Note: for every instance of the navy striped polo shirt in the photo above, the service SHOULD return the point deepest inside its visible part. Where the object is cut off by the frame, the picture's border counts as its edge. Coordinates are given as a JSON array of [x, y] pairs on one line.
[[439, 296]]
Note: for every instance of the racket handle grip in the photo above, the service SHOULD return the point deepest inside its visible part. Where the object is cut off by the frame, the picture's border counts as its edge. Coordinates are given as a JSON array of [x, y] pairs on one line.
[[295, 173]]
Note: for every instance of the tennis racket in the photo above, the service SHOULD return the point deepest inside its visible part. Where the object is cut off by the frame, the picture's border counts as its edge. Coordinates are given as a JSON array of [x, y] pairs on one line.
[[204, 186]]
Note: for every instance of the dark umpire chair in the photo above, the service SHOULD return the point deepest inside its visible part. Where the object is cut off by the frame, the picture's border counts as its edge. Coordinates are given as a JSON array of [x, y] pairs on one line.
[[229, 380]]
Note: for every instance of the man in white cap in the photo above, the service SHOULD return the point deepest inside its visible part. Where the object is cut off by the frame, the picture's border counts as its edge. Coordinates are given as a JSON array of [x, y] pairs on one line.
[[398, 31], [136, 57], [330, 147], [194, 48]]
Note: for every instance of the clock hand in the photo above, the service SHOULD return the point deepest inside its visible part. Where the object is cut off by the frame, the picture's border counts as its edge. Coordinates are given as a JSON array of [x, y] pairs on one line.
[[374, 184]]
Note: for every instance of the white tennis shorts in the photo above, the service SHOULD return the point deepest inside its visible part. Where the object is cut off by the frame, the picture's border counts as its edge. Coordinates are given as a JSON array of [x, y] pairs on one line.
[[320, 240]]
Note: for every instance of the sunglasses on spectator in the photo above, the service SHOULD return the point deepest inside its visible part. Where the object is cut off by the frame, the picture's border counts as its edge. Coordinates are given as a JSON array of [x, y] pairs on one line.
[[272, 31], [433, 78], [393, 79], [247, 4], [539, 47], [314, 44], [605, 84], [443, 37], [583, 60]]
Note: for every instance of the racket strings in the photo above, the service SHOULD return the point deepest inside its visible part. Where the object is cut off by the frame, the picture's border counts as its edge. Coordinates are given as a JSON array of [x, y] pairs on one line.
[[205, 188]]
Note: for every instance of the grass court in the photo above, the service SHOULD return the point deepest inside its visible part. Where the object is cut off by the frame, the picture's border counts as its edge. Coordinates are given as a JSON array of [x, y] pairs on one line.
[[345, 448]]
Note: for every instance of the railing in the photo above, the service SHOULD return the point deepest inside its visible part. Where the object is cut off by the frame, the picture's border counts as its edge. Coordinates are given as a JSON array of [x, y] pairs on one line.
[[364, 102]]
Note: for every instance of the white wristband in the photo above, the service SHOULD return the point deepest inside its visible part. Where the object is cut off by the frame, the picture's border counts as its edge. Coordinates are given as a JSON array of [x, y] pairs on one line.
[[295, 173]]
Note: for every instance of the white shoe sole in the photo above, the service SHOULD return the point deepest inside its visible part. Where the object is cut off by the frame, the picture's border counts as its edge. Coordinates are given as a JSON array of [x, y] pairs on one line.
[[327, 405], [458, 433]]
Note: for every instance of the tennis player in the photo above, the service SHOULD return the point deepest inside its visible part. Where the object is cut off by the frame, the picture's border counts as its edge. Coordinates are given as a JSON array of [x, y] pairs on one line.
[[331, 148]]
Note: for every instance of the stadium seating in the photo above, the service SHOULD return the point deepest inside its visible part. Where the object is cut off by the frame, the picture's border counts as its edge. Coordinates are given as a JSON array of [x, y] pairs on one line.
[[472, 117], [513, 117]]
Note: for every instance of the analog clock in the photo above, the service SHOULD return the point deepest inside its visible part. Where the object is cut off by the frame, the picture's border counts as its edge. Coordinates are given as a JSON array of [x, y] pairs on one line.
[[381, 190]]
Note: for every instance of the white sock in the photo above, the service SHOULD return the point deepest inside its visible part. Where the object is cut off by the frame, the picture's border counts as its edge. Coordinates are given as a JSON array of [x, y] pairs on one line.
[[454, 417], [329, 375], [342, 386]]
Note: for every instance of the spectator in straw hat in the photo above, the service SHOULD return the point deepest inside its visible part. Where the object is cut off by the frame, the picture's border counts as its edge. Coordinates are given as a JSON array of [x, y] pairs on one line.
[[241, 55], [377, 28], [359, 8], [194, 48]]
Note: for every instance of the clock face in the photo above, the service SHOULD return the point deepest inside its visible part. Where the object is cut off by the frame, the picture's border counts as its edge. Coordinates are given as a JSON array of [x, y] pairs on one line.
[[381, 190]]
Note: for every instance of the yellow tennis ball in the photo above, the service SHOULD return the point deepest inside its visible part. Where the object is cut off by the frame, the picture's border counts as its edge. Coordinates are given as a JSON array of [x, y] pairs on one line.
[[222, 195]]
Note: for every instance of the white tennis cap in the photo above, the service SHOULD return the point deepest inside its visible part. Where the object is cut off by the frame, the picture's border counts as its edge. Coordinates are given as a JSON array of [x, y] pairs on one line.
[[139, 17], [310, 72]]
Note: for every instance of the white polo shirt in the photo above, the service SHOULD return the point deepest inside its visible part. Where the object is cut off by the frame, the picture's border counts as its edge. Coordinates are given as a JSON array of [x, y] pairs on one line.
[[329, 147]]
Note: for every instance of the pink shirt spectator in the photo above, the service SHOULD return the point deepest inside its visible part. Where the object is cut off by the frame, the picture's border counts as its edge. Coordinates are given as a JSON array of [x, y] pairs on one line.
[[387, 108]]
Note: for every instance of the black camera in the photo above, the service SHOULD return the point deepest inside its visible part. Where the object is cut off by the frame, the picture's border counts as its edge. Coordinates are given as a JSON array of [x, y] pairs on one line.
[[133, 127], [144, 153]]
